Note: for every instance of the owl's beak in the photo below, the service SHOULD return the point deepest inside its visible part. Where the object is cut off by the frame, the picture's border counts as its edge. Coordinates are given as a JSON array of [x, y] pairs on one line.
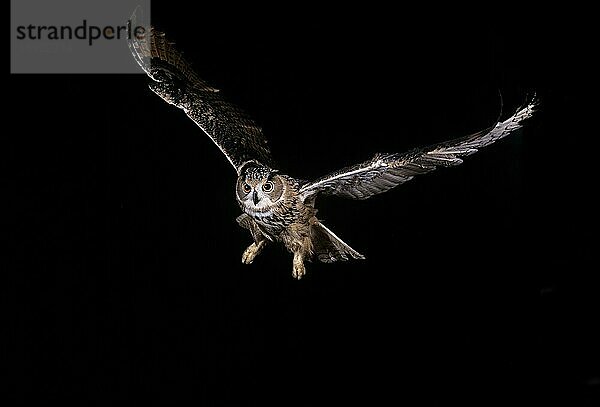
[[255, 198]]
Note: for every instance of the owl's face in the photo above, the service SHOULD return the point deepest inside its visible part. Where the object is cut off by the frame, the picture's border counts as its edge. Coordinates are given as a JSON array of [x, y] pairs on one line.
[[258, 189]]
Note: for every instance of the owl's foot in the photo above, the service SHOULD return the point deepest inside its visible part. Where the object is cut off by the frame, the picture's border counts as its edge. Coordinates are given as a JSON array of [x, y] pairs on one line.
[[252, 251], [298, 269]]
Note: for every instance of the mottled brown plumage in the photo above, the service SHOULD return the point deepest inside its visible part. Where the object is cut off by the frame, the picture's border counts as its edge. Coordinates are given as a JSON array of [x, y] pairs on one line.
[[277, 213], [277, 207]]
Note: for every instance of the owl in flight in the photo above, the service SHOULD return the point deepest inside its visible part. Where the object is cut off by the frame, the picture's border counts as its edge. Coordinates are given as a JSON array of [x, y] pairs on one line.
[[278, 207]]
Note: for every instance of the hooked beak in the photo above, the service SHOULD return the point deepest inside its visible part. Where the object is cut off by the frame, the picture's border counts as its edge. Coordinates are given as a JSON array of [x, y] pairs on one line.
[[255, 198]]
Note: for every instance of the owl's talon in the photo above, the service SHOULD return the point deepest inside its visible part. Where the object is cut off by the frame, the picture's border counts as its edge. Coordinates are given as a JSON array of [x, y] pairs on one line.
[[298, 270], [251, 252]]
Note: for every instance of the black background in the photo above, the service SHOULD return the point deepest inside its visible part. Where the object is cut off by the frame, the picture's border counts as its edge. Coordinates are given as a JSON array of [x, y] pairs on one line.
[[125, 282]]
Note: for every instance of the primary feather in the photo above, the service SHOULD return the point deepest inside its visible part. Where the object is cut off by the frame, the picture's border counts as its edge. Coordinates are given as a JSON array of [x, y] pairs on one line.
[[232, 130], [386, 171]]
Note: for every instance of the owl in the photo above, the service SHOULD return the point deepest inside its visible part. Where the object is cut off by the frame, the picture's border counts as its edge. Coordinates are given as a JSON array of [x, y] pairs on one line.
[[280, 208]]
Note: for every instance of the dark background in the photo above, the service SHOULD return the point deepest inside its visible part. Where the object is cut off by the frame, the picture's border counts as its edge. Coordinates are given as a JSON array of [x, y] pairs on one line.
[[124, 276]]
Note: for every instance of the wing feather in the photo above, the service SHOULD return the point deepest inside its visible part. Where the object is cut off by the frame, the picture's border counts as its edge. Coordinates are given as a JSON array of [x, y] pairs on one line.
[[173, 79], [386, 171]]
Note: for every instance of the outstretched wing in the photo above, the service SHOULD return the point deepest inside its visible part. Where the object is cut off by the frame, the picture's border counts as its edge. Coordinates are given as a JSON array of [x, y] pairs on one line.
[[173, 79], [385, 171]]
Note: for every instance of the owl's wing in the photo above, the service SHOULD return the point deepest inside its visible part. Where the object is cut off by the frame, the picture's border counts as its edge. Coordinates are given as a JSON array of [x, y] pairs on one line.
[[173, 79], [385, 171]]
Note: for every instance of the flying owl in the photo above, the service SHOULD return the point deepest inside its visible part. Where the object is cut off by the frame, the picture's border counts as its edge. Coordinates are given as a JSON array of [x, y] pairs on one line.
[[279, 208]]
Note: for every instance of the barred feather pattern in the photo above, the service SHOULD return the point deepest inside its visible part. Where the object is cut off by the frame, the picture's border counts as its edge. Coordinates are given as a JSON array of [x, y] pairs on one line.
[[173, 79], [386, 171]]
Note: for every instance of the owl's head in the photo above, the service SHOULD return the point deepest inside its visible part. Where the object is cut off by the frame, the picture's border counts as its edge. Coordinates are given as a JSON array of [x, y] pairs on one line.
[[259, 188]]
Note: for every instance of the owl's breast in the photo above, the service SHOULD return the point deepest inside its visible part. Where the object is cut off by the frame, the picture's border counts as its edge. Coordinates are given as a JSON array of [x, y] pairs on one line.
[[270, 222], [277, 218]]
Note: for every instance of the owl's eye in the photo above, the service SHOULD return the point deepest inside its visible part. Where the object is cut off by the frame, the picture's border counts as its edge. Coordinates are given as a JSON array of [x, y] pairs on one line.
[[267, 186], [247, 188]]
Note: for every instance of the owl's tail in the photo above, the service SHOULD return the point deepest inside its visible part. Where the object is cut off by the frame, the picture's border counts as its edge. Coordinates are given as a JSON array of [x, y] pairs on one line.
[[327, 247]]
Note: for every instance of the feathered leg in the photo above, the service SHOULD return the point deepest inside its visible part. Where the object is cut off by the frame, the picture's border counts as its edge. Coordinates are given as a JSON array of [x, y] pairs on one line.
[[252, 251], [260, 241], [302, 250], [298, 269]]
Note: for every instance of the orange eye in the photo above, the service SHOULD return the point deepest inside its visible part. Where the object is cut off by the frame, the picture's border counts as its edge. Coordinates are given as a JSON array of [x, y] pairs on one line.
[[267, 186], [247, 188]]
